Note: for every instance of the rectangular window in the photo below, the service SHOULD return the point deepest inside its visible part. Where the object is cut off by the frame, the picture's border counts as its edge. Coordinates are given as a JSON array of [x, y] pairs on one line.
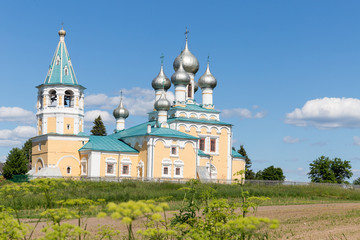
[[166, 171], [212, 145], [173, 151], [177, 171], [110, 168], [202, 144], [125, 170]]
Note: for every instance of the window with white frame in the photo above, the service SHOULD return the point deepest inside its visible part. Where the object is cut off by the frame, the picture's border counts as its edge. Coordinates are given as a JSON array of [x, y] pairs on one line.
[[166, 168], [213, 145], [174, 151], [178, 169], [125, 167], [202, 144], [110, 167]]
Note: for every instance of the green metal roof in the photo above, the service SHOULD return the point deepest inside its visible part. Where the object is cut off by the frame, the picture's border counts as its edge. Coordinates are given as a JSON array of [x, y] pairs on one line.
[[202, 154], [141, 130], [235, 154], [195, 120], [108, 144], [195, 107], [60, 62]]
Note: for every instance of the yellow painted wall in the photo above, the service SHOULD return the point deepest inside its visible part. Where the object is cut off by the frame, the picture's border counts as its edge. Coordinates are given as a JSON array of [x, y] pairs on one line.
[[54, 150], [70, 121], [44, 101], [188, 156], [182, 115], [220, 161], [51, 125], [142, 155], [237, 166], [61, 101], [160, 153], [134, 163], [103, 158]]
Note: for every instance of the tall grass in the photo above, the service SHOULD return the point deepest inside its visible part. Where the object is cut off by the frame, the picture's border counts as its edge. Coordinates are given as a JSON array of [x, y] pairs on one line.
[[136, 190]]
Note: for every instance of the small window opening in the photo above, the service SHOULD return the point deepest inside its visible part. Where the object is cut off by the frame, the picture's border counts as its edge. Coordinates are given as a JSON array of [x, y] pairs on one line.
[[83, 167], [173, 151], [68, 126], [110, 168], [68, 170], [177, 171], [66, 71], [166, 171], [57, 60], [212, 145], [83, 142], [190, 90], [202, 144], [125, 169]]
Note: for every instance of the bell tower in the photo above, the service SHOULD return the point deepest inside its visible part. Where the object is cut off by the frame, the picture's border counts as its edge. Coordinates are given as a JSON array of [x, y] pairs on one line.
[[60, 102]]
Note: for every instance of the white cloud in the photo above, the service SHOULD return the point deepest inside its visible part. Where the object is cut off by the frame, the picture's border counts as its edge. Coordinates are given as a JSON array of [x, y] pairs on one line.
[[356, 140], [291, 140], [139, 101], [91, 115], [16, 114], [242, 113], [327, 113], [16, 136]]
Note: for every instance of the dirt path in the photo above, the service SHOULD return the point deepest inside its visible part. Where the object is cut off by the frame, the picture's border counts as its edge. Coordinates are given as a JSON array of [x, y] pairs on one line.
[[310, 222]]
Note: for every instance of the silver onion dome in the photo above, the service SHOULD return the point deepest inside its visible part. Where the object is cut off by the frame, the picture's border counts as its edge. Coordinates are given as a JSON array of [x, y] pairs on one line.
[[120, 111], [162, 104], [196, 86], [207, 80], [189, 61], [180, 77], [161, 81]]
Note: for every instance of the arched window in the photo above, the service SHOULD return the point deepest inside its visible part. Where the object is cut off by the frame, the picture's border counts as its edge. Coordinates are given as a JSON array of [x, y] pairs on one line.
[[69, 98], [57, 60], [68, 170], [53, 98]]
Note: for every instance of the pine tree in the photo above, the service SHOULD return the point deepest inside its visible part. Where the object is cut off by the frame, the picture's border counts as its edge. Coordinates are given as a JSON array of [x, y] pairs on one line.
[[99, 127], [27, 148], [249, 174], [16, 163]]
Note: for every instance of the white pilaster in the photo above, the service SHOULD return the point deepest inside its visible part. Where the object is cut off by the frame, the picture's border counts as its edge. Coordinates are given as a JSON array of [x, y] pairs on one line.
[[94, 164], [120, 124], [180, 94]]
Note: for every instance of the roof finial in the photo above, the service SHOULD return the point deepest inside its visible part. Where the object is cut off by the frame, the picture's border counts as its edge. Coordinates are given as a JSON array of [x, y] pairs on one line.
[[186, 33], [62, 25], [121, 94], [208, 60], [162, 59]]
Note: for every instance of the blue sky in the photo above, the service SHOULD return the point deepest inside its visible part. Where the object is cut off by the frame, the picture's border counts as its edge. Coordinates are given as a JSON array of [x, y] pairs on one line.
[[269, 57]]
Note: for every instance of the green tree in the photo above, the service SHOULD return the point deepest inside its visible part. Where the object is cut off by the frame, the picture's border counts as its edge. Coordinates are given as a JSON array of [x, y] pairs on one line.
[[326, 170], [16, 163], [249, 174], [27, 148], [270, 173], [99, 127], [357, 181]]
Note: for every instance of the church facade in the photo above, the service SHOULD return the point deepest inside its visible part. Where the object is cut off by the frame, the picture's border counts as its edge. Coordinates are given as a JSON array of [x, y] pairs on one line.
[[180, 140]]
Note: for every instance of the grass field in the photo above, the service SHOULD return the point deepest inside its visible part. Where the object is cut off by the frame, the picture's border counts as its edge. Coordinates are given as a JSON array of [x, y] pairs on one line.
[[32, 202]]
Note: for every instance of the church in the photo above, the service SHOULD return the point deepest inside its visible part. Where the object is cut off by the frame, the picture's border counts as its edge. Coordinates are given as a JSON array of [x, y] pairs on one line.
[[179, 140]]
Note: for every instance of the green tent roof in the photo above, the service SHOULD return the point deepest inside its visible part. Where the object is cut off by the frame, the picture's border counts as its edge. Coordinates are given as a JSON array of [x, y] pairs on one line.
[[61, 70]]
